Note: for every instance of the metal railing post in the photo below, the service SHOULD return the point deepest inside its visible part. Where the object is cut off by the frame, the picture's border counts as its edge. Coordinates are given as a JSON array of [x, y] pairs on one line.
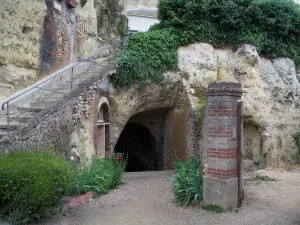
[[72, 78], [7, 116], [239, 151]]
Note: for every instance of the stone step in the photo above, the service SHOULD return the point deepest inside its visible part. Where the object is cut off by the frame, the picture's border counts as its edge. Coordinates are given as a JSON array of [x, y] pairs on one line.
[[3, 133], [61, 90], [52, 96], [12, 124], [31, 108], [44, 102], [22, 116]]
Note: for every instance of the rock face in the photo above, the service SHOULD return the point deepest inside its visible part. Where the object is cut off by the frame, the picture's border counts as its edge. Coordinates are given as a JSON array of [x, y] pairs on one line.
[[88, 46], [271, 96], [271, 102], [176, 131], [21, 35], [21, 31]]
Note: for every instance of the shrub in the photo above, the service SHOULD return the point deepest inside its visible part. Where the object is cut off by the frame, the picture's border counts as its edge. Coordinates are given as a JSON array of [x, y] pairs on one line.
[[273, 26], [31, 185], [98, 177], [146, 57], [188, 182]]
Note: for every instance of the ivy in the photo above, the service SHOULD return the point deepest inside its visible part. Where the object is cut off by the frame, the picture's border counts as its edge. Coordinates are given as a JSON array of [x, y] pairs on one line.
[[146, 57]]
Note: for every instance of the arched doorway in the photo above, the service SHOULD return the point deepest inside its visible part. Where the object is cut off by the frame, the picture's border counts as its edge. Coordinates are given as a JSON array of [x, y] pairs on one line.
[[137, 143], [142, 141], [103, 127]]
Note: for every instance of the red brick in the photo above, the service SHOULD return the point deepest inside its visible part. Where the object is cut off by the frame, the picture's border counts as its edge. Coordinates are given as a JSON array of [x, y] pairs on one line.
[[81, 200], [224, 171]]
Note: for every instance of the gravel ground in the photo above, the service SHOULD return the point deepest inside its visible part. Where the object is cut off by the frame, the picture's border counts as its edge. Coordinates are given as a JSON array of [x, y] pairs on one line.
[[146, 199]]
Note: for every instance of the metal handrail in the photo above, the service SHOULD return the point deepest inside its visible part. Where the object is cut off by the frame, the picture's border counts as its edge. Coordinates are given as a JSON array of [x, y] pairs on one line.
[[50, 78], [37, 86]]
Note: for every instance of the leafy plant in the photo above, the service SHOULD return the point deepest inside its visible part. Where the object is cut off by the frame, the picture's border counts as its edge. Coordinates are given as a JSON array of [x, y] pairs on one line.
[[297, 141], [273, 26], [98, 177], [146, 57], [31, 185], [188, 182], [214, 208], [263, 178]]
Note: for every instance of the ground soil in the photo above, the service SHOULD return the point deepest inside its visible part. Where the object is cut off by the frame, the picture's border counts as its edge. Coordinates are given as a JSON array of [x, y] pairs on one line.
[[146, 199]]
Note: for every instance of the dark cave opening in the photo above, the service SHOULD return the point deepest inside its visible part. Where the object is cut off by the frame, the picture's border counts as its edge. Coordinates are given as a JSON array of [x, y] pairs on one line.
[[137, 143]]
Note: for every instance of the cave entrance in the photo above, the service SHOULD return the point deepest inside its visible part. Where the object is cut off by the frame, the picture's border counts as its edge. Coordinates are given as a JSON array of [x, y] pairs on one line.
[[142, 141]]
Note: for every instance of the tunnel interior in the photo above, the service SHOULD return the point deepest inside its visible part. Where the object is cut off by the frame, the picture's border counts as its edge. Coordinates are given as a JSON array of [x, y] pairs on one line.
[[141, 141]]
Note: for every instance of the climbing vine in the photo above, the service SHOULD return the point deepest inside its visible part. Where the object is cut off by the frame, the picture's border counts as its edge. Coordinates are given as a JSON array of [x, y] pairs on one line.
[[146, 57], [273, 26]]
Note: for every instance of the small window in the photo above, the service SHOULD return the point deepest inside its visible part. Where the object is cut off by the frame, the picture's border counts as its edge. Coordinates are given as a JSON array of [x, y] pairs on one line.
[[100, 115]]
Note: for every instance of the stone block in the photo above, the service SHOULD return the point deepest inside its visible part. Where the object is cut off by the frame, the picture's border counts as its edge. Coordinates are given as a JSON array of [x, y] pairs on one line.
[[220, 192]]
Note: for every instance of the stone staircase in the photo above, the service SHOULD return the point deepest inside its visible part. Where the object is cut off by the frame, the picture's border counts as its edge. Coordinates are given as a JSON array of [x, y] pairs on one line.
[[28, 105]]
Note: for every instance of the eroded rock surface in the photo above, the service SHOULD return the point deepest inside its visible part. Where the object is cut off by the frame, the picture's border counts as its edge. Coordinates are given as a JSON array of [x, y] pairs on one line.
[[21, 31], [271, 99]]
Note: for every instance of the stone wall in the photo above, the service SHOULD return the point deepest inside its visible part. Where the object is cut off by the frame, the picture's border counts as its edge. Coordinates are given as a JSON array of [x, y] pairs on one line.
[[70, 127]]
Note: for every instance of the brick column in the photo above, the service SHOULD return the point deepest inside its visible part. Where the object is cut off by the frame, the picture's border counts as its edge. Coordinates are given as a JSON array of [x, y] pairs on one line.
[[220, 184]]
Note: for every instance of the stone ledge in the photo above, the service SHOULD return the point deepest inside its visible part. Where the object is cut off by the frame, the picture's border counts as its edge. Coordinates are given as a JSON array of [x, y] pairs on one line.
[[224, 88]]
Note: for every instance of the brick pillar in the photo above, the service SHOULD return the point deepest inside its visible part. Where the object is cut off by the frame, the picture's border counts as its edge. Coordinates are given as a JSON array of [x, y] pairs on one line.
[[220, 184]]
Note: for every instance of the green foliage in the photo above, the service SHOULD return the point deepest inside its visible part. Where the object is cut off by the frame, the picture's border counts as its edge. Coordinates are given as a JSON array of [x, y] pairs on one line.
[[31, 185], [200, 93], [214, 208], [273, 26], [98, 177], [263, 178], [188, 182], [146, 57], [297, 141]]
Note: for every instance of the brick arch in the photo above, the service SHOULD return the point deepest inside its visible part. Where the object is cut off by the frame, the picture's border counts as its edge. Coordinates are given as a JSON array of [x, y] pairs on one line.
[[104, 105]]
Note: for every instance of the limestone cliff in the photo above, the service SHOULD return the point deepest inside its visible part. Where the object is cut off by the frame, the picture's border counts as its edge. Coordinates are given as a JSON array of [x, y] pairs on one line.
[[271, 96], [105, 21], [21, 35], [21, 30], [271, 100]]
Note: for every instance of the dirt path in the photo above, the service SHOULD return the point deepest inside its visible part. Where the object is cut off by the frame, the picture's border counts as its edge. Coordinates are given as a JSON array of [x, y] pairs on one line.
[[146, 199]]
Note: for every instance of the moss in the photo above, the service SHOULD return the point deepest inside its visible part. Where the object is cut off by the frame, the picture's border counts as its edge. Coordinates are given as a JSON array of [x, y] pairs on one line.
[[185, 75], [200, 93], [220, 70]]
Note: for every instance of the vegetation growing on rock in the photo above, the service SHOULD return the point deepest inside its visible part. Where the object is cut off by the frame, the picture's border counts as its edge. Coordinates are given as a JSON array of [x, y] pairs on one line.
[[146, 57], [273, 26]]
